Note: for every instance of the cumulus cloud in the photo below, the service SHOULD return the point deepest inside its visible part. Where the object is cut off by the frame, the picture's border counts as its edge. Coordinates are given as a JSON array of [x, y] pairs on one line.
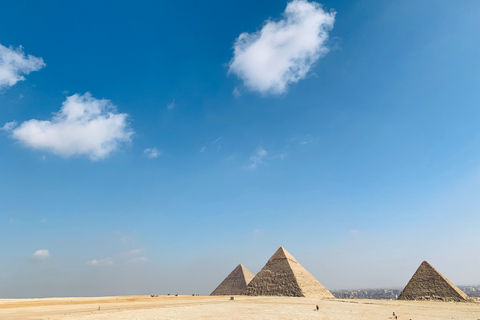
[[14, 64], [283, 51], [100, 262], [41, 254], [152, 153], [83, 126], [256, 159]]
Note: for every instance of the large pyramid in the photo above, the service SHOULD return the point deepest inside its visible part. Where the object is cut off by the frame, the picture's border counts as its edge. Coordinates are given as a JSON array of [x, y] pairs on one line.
[[234, 283], [284, 276], [429, 284]]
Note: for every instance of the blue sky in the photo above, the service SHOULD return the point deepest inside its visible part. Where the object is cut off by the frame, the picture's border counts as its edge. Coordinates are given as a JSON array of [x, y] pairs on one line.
[[152, 146]]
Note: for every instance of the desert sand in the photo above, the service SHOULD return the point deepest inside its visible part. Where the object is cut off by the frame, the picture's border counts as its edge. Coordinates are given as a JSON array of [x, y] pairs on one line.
[[221, 307]]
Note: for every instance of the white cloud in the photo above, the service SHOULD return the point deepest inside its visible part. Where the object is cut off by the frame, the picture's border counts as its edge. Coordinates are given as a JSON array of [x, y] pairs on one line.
[[236, 92], [214, 144], [307, 139], [283, 51], [41, 254], [44, 220], [135, 251], [152, 153], [83, 126], [14, 64], [100, 262], [171, 105], [131, 256], [138, 260], [9, 126], [280, 156], [256, 159]]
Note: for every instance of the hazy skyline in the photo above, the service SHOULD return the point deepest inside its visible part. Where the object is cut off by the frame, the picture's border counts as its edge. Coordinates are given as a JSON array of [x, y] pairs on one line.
[[150, 148]]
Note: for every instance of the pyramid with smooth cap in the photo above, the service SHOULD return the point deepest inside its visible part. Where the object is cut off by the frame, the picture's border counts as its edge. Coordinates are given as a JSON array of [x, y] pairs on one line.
[[234, 283], [429, 284], [284, 276]]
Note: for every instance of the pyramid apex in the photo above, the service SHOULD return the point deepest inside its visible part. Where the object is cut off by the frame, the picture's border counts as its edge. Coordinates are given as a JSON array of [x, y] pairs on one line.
[[426, 264], [241, 266], [281, 253]]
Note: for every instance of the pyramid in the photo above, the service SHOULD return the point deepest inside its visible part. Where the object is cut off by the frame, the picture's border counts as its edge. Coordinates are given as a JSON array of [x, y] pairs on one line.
[[284, 276], [234, 283], [429, 284]]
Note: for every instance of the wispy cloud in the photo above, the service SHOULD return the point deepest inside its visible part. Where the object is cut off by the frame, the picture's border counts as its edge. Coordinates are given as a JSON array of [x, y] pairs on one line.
[[9, 126], [256, 159], [101, 262], [171, 105], [283, 51], [135, 251], [236, 92], [138, 260], [152, 153], [41, 254], [304, 140], [261, 157], [131, 256], [134, 256], [215, 144], [279, 156], [83, 126], [14, 64]]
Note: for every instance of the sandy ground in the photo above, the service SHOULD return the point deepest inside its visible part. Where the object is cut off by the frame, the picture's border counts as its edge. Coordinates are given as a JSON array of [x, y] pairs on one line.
[[188, 307]]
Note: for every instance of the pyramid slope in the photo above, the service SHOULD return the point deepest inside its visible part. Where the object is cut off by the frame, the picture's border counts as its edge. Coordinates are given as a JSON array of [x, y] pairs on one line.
[[429, 284], [284, 276], [235, 283]]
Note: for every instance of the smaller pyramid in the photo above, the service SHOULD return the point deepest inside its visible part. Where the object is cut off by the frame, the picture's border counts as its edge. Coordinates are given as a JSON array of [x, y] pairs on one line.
[[429, 284], [234, 283], [284, 276]]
